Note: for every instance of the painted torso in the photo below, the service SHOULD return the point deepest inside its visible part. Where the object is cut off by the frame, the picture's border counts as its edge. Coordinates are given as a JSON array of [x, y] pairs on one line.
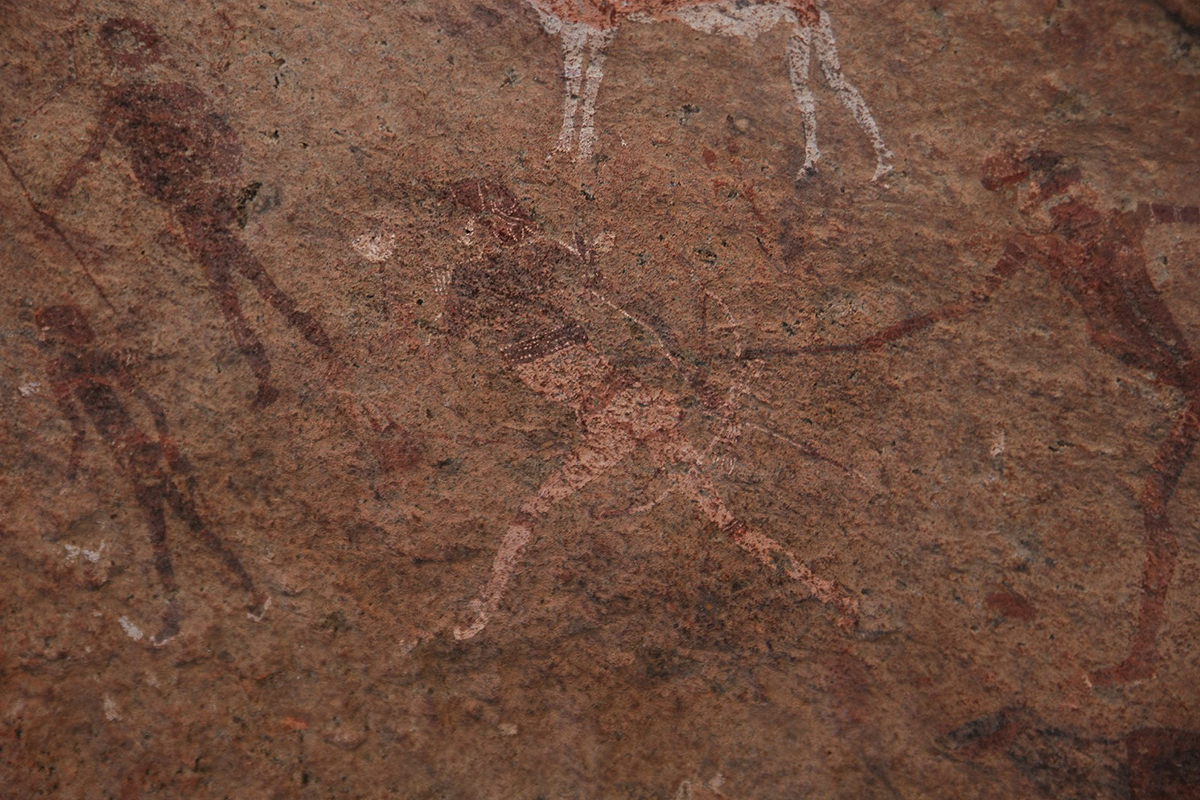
[[178, 147], [1098, 257]]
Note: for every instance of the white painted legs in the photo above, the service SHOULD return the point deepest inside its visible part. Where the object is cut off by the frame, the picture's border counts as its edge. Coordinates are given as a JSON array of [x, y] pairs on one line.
[[798, 49], [641, 416], [798, 58], [850, 96], [605, 446], [582, 86]]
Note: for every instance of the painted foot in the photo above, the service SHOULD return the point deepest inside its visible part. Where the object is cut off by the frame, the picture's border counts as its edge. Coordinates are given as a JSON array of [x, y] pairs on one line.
[[1131, 670], [258, 610], [563, 149], [266, 395], [481, 620], [170, 630], [882, 170]]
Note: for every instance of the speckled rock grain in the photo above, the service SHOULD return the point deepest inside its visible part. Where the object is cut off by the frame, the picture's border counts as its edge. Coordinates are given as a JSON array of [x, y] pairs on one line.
[[240, 246]]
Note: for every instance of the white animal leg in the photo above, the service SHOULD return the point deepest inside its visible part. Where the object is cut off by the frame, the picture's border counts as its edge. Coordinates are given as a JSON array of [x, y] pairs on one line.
[[798, 53], [598, 42], [574, 37], [853, 100]]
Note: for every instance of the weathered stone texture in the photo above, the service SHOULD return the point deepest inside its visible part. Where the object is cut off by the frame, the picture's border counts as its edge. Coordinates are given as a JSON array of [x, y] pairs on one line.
[[358, 443]]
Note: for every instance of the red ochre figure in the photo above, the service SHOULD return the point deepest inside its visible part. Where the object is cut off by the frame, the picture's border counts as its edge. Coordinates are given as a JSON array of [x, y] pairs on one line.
[[1099, 259], [186, 156], [86, 377], [507, 299]]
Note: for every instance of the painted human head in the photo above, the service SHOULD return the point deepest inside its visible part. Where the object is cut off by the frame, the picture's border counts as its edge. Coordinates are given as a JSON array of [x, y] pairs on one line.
[[129, 42], [1040, 180], [65, 322]]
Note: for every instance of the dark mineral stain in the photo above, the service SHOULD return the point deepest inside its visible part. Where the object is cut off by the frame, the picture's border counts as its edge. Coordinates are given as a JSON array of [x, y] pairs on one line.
[[1011, 605]]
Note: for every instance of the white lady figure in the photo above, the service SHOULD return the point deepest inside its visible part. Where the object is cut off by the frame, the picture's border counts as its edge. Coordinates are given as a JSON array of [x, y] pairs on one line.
[[507, 296]]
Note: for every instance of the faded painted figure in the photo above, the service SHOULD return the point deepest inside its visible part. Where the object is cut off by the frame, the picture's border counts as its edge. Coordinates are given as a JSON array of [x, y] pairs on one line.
[[588, 27], [186, 156], [83, 376], [514, 296], [1098, 257]]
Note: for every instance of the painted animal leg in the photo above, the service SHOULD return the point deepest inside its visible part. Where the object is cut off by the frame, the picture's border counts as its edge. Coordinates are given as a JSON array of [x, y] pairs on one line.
[[769, 553], [798, 55], [574, 39], [598, 43], [1161, 550], [826, 47], [606, 444]]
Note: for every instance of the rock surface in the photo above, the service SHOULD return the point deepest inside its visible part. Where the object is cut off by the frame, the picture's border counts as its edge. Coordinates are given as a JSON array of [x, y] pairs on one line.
[[358, 442]]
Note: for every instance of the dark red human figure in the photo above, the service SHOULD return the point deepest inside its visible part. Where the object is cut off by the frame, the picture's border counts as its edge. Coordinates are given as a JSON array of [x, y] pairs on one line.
[[186, 156], [85, 377], [1099, 259]]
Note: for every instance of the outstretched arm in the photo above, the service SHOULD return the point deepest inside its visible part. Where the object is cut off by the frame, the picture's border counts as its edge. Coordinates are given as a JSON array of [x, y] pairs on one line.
[[1161, 214], [1017, 253], [100, 136]]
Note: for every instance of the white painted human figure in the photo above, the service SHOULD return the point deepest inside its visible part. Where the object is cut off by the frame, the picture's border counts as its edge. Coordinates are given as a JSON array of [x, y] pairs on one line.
[[508, 295], [588, 27]]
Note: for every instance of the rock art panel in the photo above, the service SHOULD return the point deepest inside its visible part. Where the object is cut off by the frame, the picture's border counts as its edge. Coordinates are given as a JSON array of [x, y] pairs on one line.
[[599, 437]]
